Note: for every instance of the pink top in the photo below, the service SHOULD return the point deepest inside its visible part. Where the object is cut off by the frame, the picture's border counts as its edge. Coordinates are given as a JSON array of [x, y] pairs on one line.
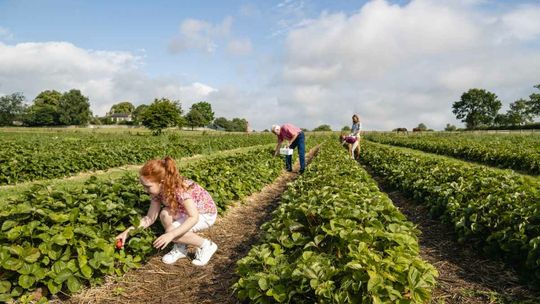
[[288, 131], [203, 200]]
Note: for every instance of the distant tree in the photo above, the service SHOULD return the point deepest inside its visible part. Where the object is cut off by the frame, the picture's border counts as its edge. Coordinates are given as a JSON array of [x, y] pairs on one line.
[[422, 126], [534, 102], [239, 124], [161, 114], [41, 115], [12, 108], [125, 107], [346, 129], [304, 129], [520, 113], [75, 108], [195, 119], [477, 107], [49, 97], [450, 127], [222, 122], [322, 128], [205, 110], [138, 113]]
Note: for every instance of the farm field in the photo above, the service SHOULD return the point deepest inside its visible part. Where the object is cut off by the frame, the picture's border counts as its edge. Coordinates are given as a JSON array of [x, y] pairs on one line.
[[333, 230]]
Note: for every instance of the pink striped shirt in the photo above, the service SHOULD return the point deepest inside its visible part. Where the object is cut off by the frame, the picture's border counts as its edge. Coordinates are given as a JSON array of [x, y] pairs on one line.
[[288, 131]]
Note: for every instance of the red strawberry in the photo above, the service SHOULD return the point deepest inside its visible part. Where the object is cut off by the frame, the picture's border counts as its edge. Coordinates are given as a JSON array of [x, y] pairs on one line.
[[119, 244]]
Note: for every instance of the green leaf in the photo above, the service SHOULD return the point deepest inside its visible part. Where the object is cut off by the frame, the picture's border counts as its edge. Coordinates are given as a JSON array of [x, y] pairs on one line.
[[31, 255], [5, 286], [8, 224], [73, 284], [59, 239], [26, 281], [53, 287], [263, 285]]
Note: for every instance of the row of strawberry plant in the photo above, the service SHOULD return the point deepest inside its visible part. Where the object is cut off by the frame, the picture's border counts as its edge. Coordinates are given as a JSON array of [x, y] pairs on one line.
[[62, 240], [498, 209], [508, 151], [28, 157], [335, 238]]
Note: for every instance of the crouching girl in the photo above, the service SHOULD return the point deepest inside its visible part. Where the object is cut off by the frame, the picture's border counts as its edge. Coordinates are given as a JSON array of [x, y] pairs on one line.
[[352, 143], [188, 209]]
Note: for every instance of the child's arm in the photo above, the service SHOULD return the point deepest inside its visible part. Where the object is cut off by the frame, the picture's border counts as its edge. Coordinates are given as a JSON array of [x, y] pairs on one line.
[[192, 219], [146, 221]]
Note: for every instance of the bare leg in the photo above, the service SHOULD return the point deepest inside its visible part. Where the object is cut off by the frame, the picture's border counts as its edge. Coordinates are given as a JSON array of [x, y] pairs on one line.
[[189, 238]]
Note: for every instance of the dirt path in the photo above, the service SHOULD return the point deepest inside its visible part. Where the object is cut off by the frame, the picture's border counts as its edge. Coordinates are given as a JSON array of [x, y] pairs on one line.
[[465, 275], [182, 282]]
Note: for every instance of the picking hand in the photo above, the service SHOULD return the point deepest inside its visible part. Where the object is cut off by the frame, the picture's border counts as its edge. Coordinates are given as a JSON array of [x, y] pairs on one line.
[[163, 240]]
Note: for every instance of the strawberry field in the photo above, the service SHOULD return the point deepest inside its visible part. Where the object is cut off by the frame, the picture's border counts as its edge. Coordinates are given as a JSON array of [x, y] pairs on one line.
[[330, 235]]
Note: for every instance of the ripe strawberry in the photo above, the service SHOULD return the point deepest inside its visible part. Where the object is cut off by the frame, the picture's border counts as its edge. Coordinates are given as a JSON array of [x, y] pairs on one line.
[[119, 244]]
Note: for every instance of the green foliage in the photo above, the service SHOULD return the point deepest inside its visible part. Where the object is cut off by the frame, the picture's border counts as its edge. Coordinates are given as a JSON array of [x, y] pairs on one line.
[[506, 151], [322, 128], [422, 127], [346, 129], [138, 114], [202, 115], [162, 113], [498, 210], [125, 107], [30, 157], [74, 108], [335, 238], [450, 127], [195, 119], [234, 125], [11, 108], [65, 239], [477, 107]]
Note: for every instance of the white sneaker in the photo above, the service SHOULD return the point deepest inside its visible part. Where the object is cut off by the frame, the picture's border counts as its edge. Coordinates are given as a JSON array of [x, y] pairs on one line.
[[203, 254], [178, 251]]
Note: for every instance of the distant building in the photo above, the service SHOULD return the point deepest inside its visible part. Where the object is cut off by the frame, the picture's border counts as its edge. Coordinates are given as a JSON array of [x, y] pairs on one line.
[[118, 117]]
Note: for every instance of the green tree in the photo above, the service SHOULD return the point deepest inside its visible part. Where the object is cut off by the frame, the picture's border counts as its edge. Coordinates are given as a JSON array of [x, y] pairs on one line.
[[346, 129], [138, 113], [422, 126], [239, 124], [195, 119], [42, 115], [12, 108], [223, 123], [477, 107], [322, 128], [125, 107], [161, 114], [49, 97], [534, 102], [75, 108], [519, 113], [205, 111], [450, 127]]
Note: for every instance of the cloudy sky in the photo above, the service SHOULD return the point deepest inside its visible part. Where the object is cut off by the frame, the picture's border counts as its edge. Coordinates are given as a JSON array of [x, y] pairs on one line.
[[395, 63]]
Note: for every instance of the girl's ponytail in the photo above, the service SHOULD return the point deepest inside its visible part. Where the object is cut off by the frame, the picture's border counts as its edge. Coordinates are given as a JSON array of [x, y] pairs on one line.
[[172, 181]]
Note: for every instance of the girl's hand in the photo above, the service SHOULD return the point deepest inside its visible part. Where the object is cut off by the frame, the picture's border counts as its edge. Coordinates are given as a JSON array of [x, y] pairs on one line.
[[162, 241], [123, 236]]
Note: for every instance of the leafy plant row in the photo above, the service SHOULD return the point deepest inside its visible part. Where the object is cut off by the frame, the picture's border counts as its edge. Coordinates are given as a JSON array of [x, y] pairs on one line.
[[498, 209], [507, 151], [335, 238], [27, 157], [63, 240]]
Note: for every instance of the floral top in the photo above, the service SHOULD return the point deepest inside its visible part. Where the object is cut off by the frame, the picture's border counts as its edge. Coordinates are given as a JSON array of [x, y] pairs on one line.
[[202, 199]]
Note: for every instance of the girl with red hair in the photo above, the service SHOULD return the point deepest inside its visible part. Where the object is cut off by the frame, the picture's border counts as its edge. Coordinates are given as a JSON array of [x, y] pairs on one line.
[[188, 209]]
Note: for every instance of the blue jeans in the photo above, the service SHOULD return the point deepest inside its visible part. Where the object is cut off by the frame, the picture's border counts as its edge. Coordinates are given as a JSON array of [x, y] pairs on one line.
[[301, 144]]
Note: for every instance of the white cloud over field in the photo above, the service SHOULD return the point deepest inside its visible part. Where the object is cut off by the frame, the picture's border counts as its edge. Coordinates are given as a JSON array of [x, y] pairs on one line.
[[105, 77]]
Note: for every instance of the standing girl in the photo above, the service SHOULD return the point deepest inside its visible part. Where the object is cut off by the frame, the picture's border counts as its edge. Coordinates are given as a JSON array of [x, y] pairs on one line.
[[188, 209]]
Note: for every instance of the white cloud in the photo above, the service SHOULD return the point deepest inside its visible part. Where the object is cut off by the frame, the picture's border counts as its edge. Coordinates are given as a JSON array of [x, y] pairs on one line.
[[402, 65], [105, 77], [240, 47], [5, 34], [200, 35]]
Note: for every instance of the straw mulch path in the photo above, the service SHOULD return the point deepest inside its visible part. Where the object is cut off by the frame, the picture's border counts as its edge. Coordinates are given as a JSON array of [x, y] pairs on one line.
[[234, 233]]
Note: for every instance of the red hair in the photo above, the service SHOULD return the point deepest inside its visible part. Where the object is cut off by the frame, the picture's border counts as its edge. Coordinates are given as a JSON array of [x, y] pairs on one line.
[[164, 171]]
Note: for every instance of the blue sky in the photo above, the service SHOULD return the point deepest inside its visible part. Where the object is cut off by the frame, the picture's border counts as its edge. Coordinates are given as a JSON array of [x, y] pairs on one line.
[[396, 63]]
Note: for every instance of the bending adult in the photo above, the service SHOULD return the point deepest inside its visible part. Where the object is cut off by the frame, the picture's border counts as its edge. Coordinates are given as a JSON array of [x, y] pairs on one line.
[[295, 138]]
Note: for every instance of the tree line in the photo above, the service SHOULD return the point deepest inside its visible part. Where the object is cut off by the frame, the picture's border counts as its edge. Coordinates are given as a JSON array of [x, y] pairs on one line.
[[53, 108], [479, 109]]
